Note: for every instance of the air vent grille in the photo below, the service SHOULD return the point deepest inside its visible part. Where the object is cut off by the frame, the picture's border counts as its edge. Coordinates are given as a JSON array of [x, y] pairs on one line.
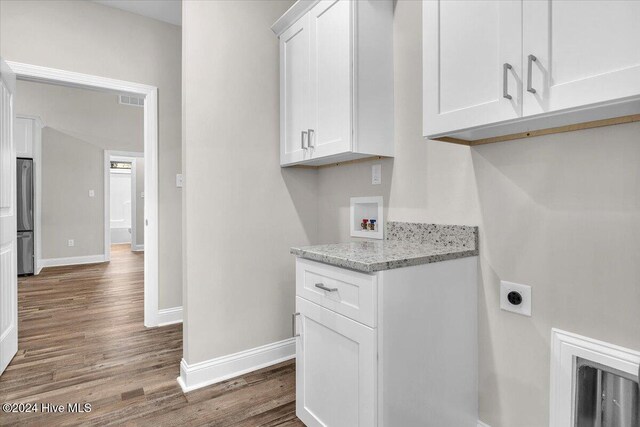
[[136, 101]]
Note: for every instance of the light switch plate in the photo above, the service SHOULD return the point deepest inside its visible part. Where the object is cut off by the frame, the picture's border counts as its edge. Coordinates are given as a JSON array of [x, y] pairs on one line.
[[71, 243], [92, 193], [179, 180], [524, 308], [376, 174]]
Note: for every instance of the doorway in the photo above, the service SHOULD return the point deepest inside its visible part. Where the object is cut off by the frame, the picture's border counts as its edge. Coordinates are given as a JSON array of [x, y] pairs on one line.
[[150, 94], [124, 200]]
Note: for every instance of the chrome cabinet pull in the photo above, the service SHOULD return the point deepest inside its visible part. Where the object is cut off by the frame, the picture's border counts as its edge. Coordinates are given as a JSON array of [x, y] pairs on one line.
[[293, 325], [310, 132], [324, 288], [505, 83], [302, 134], [530, 61]]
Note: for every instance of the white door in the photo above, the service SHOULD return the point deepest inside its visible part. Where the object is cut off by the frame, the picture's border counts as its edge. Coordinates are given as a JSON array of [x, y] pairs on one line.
[[585, 52], [294, 92], [331, 77], [472, 63], [335, 369], [8, 252]]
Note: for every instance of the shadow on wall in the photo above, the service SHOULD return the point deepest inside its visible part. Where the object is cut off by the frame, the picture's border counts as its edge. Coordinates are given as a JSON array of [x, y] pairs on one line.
[[302, 185], [560, 213]]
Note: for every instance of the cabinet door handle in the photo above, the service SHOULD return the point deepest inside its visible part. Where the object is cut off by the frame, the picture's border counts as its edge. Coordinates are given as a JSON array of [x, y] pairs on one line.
[[505, 82], [324, 288], [309, 133], [530, 60], [302, 134], [293, 324]]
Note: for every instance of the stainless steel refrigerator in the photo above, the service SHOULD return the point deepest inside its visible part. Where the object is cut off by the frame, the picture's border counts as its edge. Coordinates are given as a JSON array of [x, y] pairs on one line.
[[25, 216]]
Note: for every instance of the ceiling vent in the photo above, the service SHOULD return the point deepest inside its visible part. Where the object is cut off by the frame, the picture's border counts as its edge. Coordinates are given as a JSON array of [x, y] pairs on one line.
[[136, 101]]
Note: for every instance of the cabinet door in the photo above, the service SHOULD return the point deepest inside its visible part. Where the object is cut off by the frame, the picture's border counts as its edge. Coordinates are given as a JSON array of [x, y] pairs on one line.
[[294, 92], [23, 137], [335, 369], [331, 32], [466, 45], [586, 52]]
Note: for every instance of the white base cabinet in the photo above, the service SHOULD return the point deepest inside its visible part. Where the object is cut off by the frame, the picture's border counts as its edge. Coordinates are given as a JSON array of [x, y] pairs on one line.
[[336, 81], [392, 348]]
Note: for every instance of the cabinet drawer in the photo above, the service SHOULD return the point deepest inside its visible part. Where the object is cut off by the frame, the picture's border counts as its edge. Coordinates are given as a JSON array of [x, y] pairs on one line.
[[347, 292]]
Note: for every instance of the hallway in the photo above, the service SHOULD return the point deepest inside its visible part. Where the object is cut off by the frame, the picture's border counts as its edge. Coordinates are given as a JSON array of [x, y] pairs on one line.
[[82, 340]]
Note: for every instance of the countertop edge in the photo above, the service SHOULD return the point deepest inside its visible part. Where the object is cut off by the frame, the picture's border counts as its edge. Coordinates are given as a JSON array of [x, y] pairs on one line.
[[385, 265]]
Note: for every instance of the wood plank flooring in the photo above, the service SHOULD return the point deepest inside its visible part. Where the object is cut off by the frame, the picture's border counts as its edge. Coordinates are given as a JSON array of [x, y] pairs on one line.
[[82, 340]]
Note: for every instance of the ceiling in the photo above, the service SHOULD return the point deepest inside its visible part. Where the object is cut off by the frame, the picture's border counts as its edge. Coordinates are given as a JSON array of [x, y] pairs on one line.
[[163, 10]]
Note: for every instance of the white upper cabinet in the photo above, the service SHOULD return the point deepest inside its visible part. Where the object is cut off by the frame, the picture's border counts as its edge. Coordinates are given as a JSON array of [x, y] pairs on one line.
[[24, 133], [330, 100], [336, 81], [505, 69], [294, 92], [585, 52], [472, 63]]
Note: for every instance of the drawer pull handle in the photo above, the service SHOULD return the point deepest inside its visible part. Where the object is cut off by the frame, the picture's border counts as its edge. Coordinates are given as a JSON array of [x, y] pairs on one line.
[[530, 60], [293, 324], [324, 288], [505, 80]]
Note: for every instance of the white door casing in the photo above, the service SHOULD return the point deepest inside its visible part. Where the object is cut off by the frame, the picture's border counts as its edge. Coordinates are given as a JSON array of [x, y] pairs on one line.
[[466, 45], [8, 225], [585, 53], [331, 92], [151, 226]]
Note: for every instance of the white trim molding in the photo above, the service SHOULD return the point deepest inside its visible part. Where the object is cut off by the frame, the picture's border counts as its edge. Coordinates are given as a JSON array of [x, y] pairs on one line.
[[481, 424], [169, 316], [150, 93], [213, 371], [137, 248], [566, 347], [74, 260]]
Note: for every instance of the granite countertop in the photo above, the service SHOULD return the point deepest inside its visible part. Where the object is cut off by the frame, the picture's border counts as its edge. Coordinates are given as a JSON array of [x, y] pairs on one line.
[[407, 244]]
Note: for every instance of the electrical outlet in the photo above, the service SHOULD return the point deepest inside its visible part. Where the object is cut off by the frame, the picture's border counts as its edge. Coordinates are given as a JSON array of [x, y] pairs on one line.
[[515, 297], [92, 193], [71, 243], [376, 174]]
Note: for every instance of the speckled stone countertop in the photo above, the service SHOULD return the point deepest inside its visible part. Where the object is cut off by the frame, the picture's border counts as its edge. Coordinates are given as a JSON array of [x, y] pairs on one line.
[[406, 244]]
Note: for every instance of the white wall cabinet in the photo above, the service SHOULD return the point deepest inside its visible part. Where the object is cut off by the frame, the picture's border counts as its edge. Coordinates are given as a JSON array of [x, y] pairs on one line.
[[392, 348], [500, 67], [24, 134], [336, 81]]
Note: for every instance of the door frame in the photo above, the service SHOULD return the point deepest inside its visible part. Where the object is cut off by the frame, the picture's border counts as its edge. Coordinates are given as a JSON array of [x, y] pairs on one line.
[[108, 155], [79, 80]]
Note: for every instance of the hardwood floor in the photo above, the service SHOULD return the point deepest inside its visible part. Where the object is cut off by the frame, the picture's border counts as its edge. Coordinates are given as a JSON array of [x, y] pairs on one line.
[[82, 340]]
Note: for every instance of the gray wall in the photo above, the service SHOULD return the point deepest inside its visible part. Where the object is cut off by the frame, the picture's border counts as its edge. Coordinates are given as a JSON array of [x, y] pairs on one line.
[[242, 212], [83, 117], [560, 213], [70, 168], [90, 38], [89, 115]]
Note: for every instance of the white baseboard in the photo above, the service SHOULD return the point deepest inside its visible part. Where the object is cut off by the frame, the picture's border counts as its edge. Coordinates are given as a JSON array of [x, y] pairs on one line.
[[169, 316], [137, 248], [223, 368], [74, 260], [481, 424]]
